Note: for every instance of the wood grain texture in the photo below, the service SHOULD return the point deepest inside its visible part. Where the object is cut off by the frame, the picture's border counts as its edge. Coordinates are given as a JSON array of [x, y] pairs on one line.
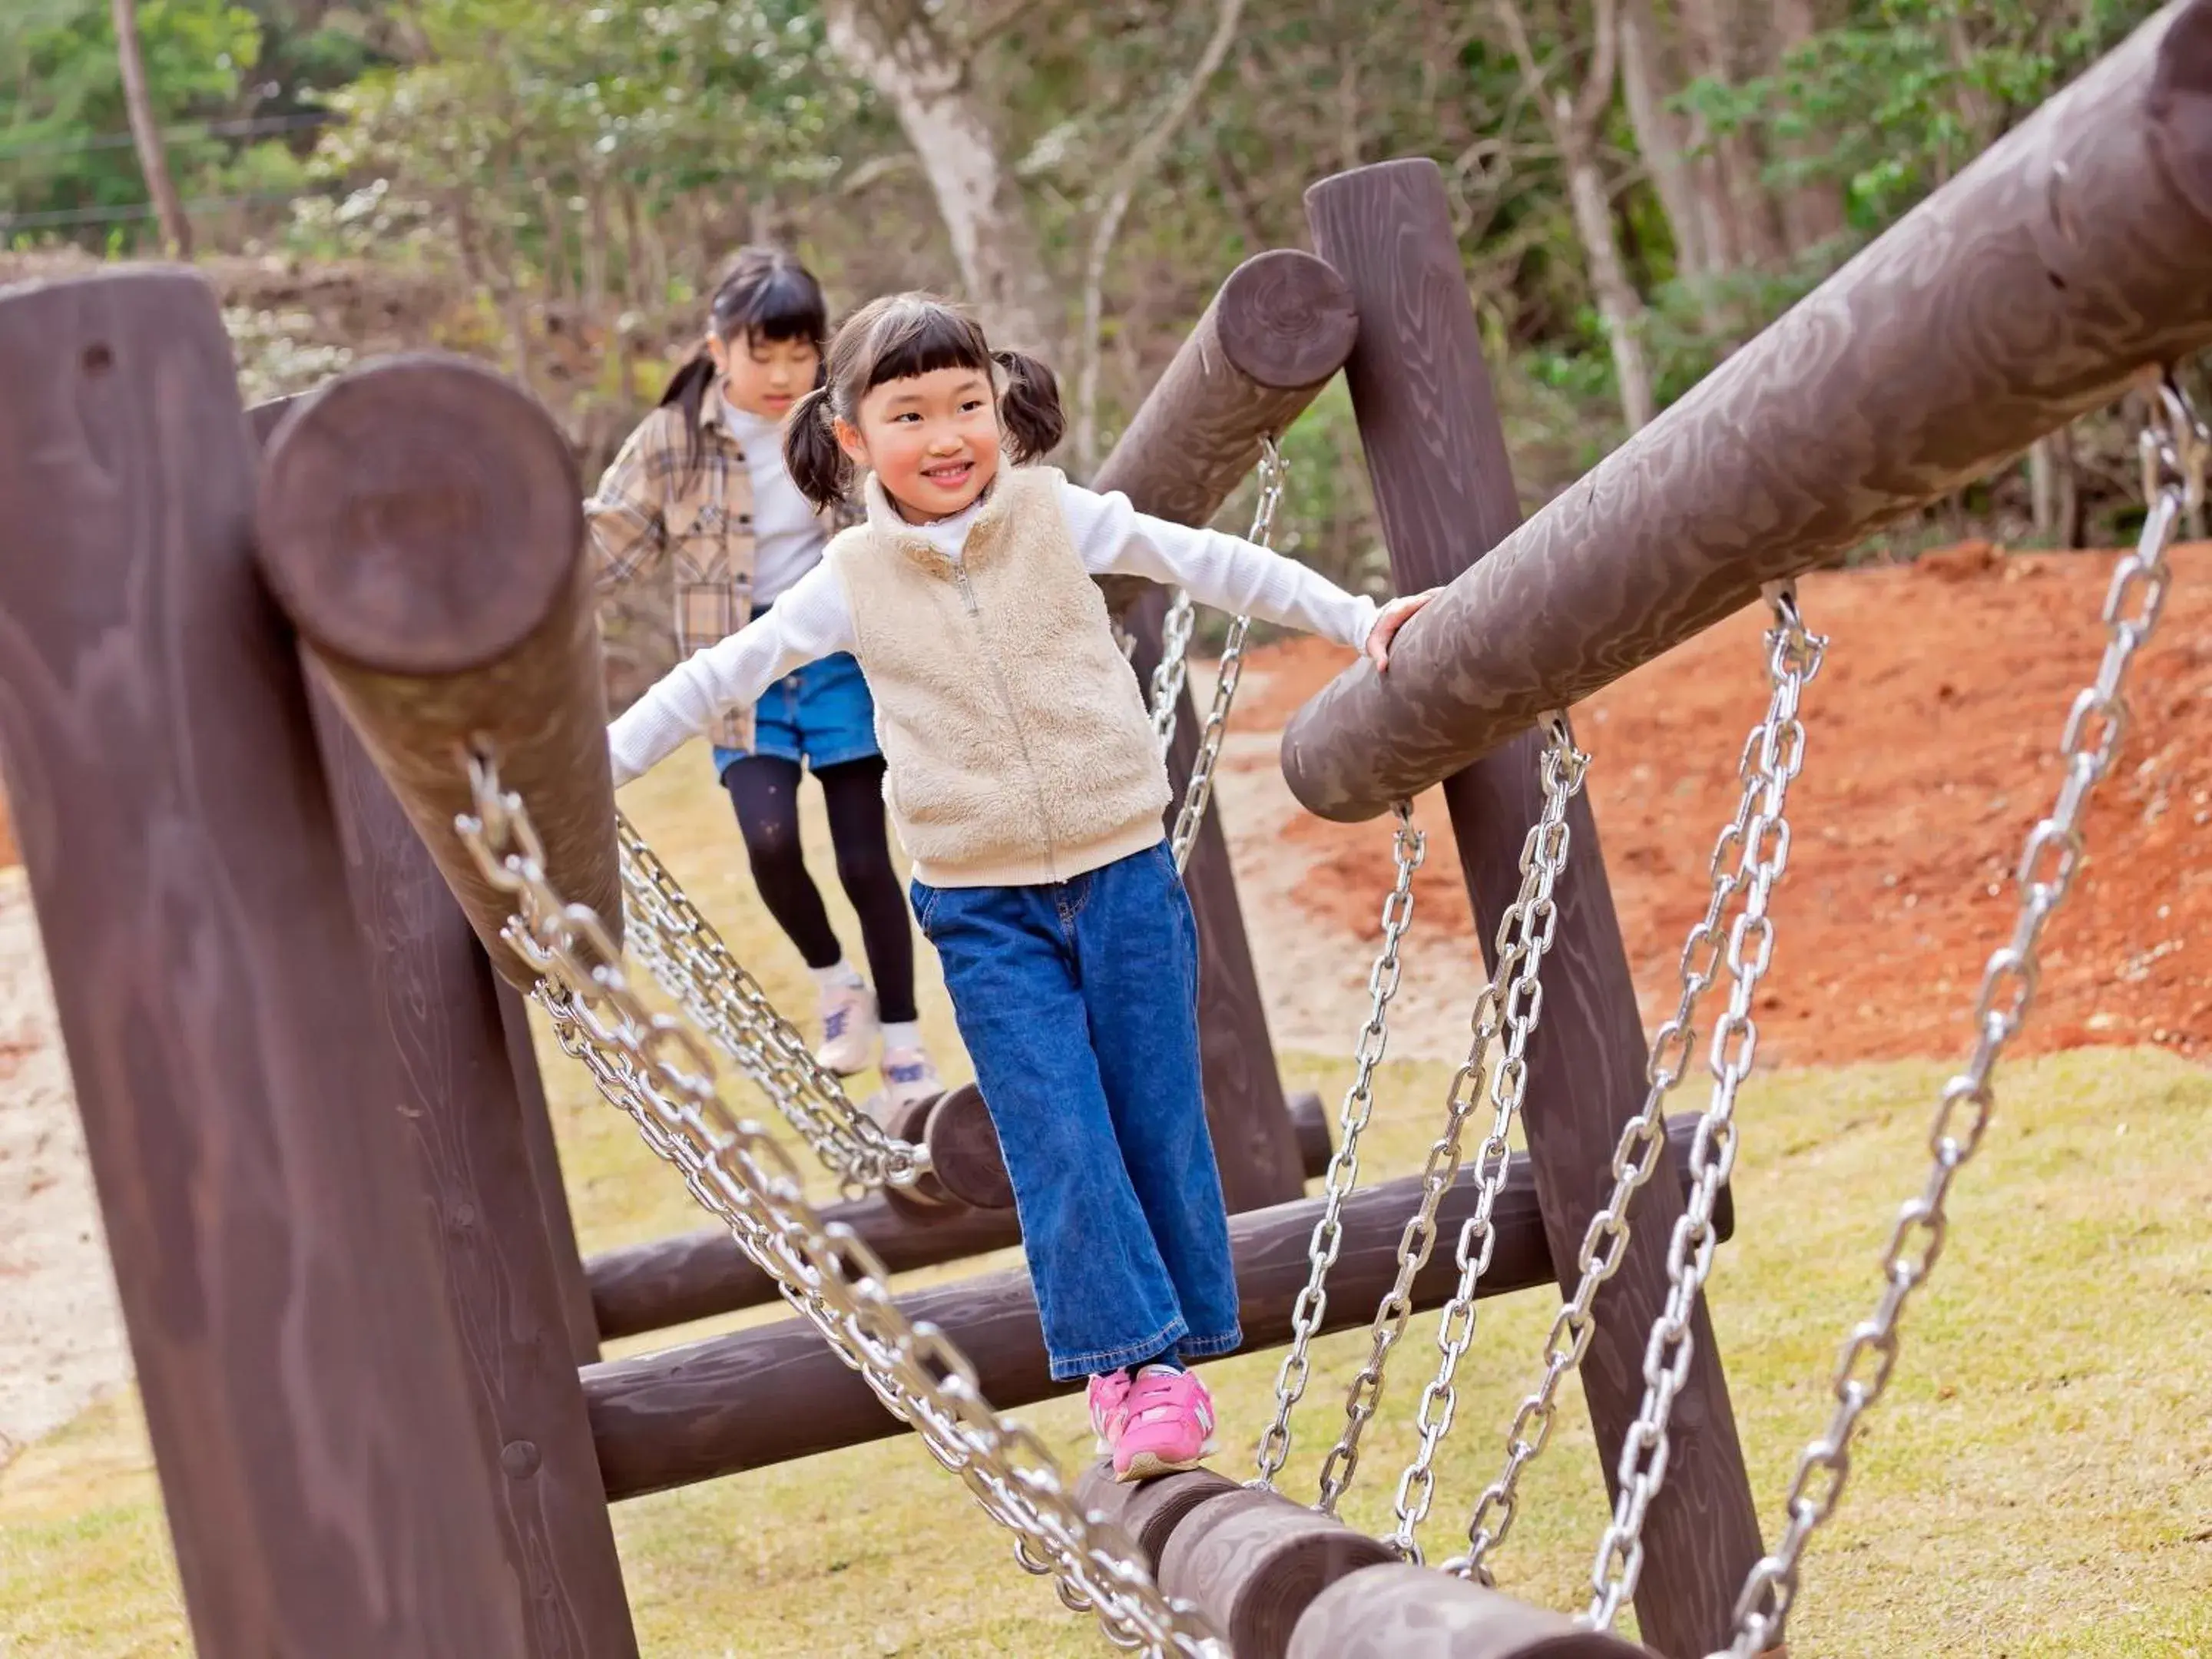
[[1277, 330], [419, 520], [2076, 251], [1402, 1612], [439, 1008], [963, 1151], [303, 1381], [1149, 1511], [575, 1289], [1253, 1561], [671, 1281], [1444, 491], [774, 1392]]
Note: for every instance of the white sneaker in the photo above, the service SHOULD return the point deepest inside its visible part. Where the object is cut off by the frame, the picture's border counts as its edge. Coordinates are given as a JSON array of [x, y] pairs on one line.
[[908, 1076], [849, 1031]]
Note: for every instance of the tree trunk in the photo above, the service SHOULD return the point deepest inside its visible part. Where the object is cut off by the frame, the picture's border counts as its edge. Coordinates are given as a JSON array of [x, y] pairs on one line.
[[556, 241], [146, 132], [1659, 140], [1812, 211], [1575, 123], [1121, 190], [1754, 237], [2054, 491], [898, 49], [1619, 305], [596, 234]]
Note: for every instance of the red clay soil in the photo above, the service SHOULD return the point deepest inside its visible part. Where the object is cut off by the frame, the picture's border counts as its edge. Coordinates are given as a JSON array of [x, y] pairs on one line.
[[1931, 736]]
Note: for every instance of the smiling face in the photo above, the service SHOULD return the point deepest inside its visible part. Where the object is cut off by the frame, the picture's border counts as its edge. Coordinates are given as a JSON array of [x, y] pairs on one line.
[[765, 377], [932, 440]]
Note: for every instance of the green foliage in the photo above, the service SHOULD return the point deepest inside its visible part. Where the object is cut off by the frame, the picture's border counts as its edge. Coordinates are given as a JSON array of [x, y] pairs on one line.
[[62, 126]]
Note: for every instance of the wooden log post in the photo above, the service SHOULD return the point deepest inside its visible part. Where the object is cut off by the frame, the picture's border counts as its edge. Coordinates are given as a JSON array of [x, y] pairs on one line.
[[1403, 1612], [775, 1392], [560, 1223], [2073, 254], [1444, 491], [963, 1151], [1278, 330], [1148, 1511], [671, 1281], [420, 521], [1253, 1561], [575, 1291], [439, 1008], [302, 1372]]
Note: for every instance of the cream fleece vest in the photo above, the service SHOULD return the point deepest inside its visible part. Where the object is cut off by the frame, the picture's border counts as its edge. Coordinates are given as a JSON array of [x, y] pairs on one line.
[[1016, 745]]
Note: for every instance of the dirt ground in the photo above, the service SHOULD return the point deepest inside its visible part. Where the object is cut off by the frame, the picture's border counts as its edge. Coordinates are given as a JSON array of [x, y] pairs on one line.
[[1931, 730], [1931, 736]]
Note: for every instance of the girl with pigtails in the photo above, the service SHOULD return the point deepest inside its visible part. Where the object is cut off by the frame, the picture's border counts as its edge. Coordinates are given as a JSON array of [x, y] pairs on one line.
[[1025, 783], [702, 483]]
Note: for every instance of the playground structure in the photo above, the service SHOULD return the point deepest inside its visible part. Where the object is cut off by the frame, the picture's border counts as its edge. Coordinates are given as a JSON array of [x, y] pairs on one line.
[[281, 889]]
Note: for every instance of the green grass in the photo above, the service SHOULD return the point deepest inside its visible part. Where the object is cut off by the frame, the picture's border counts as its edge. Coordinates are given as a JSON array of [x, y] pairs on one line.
[[2037, 1482]]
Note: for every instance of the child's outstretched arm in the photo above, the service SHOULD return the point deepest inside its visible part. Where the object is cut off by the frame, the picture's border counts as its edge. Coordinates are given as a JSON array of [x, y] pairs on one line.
[[1229, 573], [623, 519], [809, 623]]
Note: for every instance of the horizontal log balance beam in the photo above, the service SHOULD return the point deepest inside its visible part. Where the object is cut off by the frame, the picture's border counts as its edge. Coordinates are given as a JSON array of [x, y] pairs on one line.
[[2075, 254], [419, 522], [776, 1393], [696, 1275]]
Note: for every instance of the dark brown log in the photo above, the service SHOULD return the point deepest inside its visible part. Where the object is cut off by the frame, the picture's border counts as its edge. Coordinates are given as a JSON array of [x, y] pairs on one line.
[[546, 1172], [2034, 286], [963, 1151], [302, 1373], [419, 520], [1253, 1561], [649, 1287], [1444, 491], [438, 1003], [1274, 334], [672, 1281], [1149, 1511], [1402, 1612], [924, 1201], [776, 1393]]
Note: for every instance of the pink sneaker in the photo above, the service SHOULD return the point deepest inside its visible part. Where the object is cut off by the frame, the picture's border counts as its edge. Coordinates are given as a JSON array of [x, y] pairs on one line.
[[1109, 1396], [1163, 1423]]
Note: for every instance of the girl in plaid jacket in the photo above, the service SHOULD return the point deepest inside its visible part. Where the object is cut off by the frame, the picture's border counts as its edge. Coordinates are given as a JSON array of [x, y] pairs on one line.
[[701, 484]]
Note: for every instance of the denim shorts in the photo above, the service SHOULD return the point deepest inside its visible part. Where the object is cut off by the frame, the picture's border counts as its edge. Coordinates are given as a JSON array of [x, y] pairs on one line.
[[820, 715]]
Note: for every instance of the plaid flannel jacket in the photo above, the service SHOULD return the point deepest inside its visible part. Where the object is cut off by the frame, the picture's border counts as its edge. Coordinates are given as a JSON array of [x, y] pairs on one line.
[[650, 505]]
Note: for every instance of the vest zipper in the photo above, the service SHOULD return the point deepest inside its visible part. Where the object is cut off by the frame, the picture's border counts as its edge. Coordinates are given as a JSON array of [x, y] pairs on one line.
[[1006, 697]]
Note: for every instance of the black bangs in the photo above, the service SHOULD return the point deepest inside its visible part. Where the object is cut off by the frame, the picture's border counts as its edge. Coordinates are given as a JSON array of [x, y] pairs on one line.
[[918, 335], [769, 295]]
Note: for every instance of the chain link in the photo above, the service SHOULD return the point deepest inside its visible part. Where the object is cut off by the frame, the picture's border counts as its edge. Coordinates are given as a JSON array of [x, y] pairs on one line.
[[1757, 840], [1198, 794], [2173, 449], [685, 954], [658, 1072], [1521, 1008], [1409, 849], [1511, 1001]]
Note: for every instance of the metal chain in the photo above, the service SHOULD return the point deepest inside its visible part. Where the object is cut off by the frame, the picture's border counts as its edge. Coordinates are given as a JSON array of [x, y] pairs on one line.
[[1198, 794], [1511, 999], [657, 1072], [1522, 1008], [2173, 447], [1770, 762], [685, 954], [1740, 854], [1409, 849]]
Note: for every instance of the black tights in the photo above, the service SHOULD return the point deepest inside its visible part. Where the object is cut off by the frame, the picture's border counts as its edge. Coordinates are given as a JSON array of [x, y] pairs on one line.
[[764, 788]]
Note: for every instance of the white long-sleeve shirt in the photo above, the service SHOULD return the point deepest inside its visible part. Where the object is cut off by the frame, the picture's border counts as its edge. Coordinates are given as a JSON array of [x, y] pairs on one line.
[[811, 620], [788, 533]]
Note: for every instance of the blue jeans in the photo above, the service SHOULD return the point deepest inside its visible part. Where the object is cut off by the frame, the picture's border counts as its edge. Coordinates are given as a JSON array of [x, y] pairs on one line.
[[1079, 1005]]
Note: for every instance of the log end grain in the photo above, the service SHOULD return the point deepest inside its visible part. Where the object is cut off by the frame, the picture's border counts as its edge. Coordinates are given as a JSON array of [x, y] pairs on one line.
[[420, 516], [1286, 319], [1255, 1561], [1149, 1511], [963, 1151]]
